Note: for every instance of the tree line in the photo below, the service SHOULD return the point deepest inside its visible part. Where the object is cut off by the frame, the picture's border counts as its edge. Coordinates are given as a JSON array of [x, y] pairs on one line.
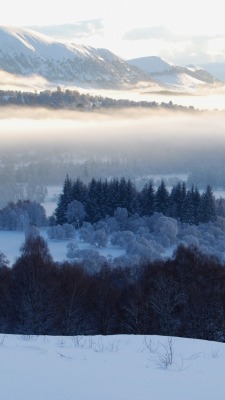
[[94, 201], [72, 99], [183, 296]]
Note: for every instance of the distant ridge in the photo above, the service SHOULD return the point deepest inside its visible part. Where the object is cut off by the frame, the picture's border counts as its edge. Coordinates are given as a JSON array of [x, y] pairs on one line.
[[173, 75], [25, 53]]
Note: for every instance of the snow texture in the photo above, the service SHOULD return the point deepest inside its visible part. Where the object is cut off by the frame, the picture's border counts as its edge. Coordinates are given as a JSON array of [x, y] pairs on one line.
[[110, 368]]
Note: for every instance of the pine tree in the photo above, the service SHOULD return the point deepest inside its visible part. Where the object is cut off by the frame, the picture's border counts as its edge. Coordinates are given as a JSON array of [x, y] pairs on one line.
[[177, 197], [187, 213], [131, 198], [79, 191], [64, 199], [92, 208], [196, 197], [147, 199], [162, 199], [207, 206]]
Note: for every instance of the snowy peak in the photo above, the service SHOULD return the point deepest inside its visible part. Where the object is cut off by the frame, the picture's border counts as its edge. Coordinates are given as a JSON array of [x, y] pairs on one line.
[[16, 39], [174, 76], [24, 52], [151, 64]]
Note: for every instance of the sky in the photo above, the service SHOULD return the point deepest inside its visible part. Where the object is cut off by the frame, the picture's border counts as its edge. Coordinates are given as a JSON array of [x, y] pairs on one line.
[[180, 32]]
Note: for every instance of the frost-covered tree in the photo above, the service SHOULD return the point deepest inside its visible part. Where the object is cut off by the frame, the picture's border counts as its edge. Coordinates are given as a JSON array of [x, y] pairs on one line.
[[122, 238], [36, 212], [121, 217], [31, 232], [75, 213], [56, 232], [86, 232], [72, 248], [100, 238], [89, 258], [69, 231], [166, 229]]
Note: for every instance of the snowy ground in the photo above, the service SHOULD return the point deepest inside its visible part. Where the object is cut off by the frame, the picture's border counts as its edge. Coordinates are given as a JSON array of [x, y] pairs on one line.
[[109, 368], [11, 242]]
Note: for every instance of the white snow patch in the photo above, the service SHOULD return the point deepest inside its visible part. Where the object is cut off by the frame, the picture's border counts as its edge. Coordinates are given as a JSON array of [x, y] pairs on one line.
[[109, 368]]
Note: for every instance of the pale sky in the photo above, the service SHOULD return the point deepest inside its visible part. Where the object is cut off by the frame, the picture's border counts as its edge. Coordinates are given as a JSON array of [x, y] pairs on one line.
[[182, 32]]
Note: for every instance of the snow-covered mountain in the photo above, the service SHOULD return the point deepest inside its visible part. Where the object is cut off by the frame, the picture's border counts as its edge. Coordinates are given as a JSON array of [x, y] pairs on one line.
[[24, 52], [172, 75]]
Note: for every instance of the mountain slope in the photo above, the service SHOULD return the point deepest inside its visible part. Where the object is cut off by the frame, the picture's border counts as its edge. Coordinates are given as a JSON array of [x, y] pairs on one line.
[[173, 75], [151, 64], [24, 52]]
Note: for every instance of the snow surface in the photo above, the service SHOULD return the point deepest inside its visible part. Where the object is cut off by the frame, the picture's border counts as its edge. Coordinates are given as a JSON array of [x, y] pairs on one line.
[[109, 368], [11, 242], [151, 64]]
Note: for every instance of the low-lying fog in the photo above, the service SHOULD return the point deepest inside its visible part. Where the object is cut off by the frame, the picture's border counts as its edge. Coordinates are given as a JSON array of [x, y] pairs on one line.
[[39, 147], [114, 131], [203, 96]]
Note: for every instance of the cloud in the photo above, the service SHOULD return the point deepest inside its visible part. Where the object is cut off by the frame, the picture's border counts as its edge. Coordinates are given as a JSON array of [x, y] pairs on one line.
[[152, 32], [179, 48], [24, 83], [79, 30]]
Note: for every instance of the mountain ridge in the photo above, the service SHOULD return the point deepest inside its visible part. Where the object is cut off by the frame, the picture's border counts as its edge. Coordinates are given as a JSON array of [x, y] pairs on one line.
[[24, 52], [174, 75]]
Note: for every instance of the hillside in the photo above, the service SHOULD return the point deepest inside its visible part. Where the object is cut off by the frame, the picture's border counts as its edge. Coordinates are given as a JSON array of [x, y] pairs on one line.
[[109, 368], [26, 53], [174, 76]]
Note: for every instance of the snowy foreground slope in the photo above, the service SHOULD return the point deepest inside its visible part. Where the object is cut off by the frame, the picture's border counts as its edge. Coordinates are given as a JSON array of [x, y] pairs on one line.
[[110, 368]]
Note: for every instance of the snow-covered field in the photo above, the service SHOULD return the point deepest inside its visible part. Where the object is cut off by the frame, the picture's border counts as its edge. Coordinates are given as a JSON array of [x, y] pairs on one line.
[[110, 368], [11, 242]]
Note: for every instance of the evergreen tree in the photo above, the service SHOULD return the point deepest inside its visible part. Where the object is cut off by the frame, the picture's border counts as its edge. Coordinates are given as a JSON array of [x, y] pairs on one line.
[[162, 199], [187, 213], [79, 191], [196, 197], [207, 206], [64, 199], [147, 199], [92, 206], [114, 195], [131, 198], [177, 196]]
